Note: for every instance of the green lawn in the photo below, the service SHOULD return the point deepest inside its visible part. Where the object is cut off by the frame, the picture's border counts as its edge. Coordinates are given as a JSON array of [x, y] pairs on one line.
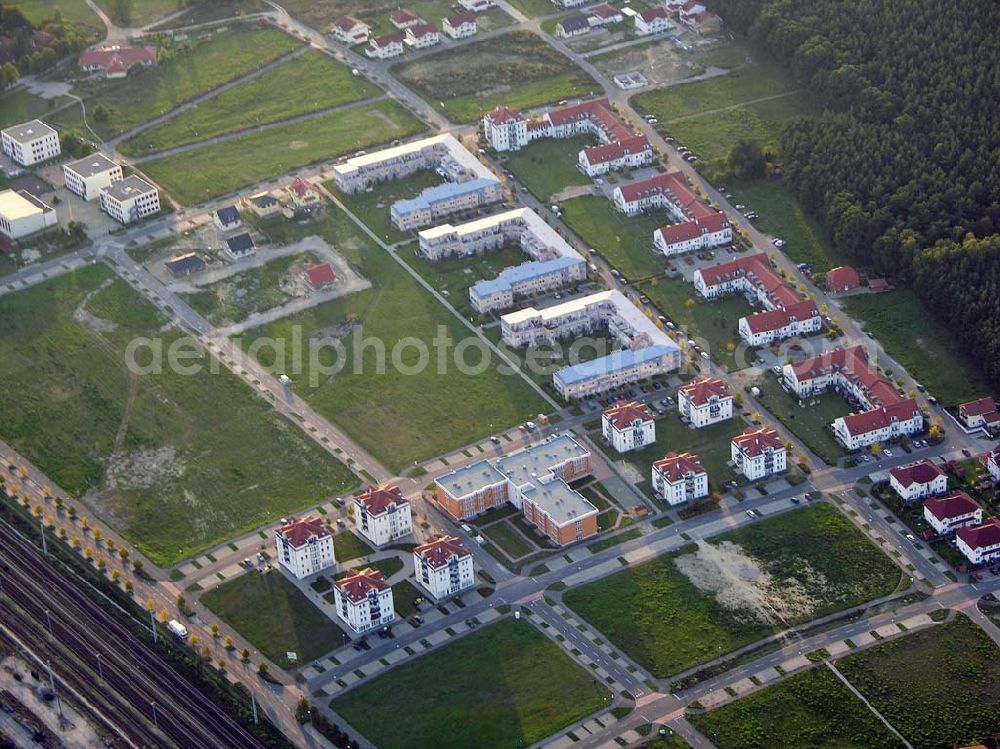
[[203, 173], [397, 416], [549, 165], [255, 290], [517, 69], [404, 598], [916, 340], [806, 711], [348, 546], [143, 12], [176, 462], [781, 216], [18, 105], [76, 11], [373, 207], [534, 8], [810, 424], [710, 443], [508, 539], [152, 92], [938, 687], [432, 11], [308, 83], [216, 11], [507, 685], [665, 622], [626, 243], [275, 617]]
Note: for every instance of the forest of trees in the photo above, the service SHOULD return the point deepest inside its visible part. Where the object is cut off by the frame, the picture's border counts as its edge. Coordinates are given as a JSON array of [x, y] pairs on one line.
[[903, 164], [29, 48]]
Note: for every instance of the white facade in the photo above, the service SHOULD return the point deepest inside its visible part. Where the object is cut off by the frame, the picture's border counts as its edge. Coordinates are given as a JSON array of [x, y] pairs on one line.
[[422, 36], [946, 515], [87, 177], [628, 427], [21, 214], [460, 27], [30, 142], [880, 425], [918, 480], [759, 453], [443, 567], [705, 401], [385, 47], [304, 547], [779, 324], [363, 600], [382, 515], [130, 199], [992, 462], [653, 21], [629, 153], [980, 544], [679, 478], [693, 235], [476, 6], [351, 30]]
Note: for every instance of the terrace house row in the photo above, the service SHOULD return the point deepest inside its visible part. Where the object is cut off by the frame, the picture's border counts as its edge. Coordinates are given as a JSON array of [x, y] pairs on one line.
[[535, 480], [646, 350], [884, 414], [554, 264], [507, 129], [787, 313]]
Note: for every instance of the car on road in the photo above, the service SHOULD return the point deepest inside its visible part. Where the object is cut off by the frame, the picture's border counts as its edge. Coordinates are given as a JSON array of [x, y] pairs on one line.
[[703, 355], [966, 452], [471, 623], [911, 538], [751, 514], [495, 440], [796, 500], [779, 242], [776, 369], [887, 452], [739, 206]]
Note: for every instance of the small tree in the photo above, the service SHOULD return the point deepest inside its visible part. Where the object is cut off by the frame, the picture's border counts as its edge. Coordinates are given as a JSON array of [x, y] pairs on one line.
[[227, 642], [116, 575], [163, 616], [123, 555], [102, 565], [71, 512], [214, 629], [98, 535], [150, 604], [245, 655], [262, 670], [85, 524]]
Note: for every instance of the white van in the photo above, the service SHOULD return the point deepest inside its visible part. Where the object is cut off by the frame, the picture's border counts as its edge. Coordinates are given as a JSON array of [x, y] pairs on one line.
[[178, 629]]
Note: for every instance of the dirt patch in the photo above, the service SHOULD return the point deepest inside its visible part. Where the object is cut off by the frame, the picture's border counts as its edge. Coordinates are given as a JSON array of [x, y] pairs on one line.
[[143, 469], [741, 585], [86, 318], [659, 62]]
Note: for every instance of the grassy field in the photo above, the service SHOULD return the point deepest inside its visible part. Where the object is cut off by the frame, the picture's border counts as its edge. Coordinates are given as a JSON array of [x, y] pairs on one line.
[[710, 443], [516, 69], [916, 340], [952, 699], [662, 619], [373, 207], [508, 539], [626, 243], [152, 92], [805, 711], [18, 105], [810, 424], [275, 617], [308, 83], [216, 11], [175, 461], [781, 216], [399, 417], [507, 685], [76, 11], [535, 8], [144, 12], [203, 173], [432, 11], [348, 546], [549, 165], [255, 290]]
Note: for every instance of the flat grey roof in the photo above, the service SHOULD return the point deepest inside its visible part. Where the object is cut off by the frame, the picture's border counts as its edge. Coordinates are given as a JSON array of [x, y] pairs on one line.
[[28, 131], [96, 163], [127, 188], [471, 478], [535, 462]]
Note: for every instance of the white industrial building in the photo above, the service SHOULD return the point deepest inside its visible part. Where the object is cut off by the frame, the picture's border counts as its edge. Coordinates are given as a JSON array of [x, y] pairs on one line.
[[88, 176], [443, 567], [21, 214], [30, 142], [304, 546]]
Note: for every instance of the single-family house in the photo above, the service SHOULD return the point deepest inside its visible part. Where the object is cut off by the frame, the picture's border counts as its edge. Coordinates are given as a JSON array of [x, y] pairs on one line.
[[947, 514], [652, 21], [303, 193], [226, 218], [403, 19], [918, 480], [422, 35], [605, 14], [385, 47], [184, 264], [980, 414], [572, 25], [351, 30], [842, 278], [460, 26], [116, 60], [262, 205], [240, 246], [980, 543]]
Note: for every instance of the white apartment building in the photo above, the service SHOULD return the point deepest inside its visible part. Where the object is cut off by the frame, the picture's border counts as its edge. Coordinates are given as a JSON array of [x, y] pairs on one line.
[[533, 277], [441, 200], [628, 426], [631, 152], [710, 231], [460, 26], [981, 543], [980, 414], [30, 142], [758, 453], [382, 514], [705, 401], [443, 567], [947, 514], [615, 370], [796, 319], [130, 199], [679, 478], [21, 214], [304, 546], [364, 600], [882, 424], [87, 177], [918, 480]]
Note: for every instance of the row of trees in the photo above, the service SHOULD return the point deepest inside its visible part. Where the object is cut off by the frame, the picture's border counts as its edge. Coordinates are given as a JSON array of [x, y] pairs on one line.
[[33, 48], [906, 152]]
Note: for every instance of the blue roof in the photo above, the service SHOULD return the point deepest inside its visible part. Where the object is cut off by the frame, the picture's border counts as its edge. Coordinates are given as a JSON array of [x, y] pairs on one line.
[[431, 195], [523, 272], [612, 363]]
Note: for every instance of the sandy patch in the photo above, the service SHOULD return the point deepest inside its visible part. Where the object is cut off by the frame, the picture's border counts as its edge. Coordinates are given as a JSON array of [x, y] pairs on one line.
[[741, 585], [143, 469], [86, 318]]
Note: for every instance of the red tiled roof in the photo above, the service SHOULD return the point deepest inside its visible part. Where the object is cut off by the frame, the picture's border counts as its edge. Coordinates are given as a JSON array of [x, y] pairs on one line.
[[422, 29], [922, 472], [679, 232], [378, 499], [753, 442], [501, 114], [878, 284], [981, 536], [461, 19], [844, 277], [606, 11], [321, 274], [780, 317], [702, 389], [980, 407], [347, 23], [758, 270], [301, 187], [993, 455], [853, 363], [690, 4], [675, 467], [617, 149], [386, 39], [653, 13], [439, 550], [598, 111], [298, 531], [674, 186], [623, 415], [953, 506], [116, 58], [881, 417], [403, 16], [358, 583]]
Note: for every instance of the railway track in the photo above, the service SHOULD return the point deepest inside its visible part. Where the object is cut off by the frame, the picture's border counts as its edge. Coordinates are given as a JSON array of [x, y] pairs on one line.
[[173, 712]]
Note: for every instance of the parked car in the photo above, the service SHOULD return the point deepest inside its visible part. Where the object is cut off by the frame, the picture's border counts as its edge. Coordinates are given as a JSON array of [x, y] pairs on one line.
[[751, 514], [887, 452]]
